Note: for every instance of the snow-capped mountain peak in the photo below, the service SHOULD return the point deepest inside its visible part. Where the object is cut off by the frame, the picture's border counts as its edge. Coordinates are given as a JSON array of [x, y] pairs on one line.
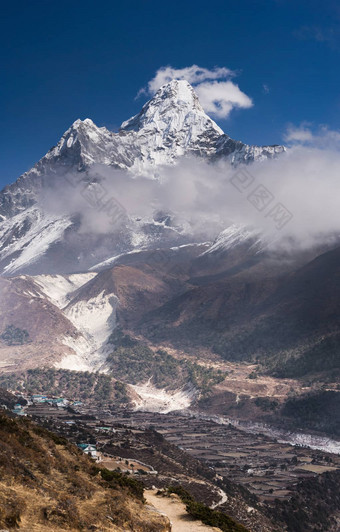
[[171, 125], [80, 141], [174, 108]]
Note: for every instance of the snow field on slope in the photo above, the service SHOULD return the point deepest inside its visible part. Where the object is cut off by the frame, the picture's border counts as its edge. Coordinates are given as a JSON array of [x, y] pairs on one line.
[[58, 288], [153, 399]]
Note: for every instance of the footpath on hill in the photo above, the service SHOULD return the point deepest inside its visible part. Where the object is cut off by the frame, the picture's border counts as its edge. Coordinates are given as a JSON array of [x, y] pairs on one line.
[[174, 509]]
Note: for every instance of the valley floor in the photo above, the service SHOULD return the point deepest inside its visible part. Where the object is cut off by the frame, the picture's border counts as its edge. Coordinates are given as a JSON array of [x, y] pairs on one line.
[[268, 468], [246, 475]]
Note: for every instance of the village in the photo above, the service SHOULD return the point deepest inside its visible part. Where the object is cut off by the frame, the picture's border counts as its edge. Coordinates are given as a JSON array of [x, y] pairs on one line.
[[59, 408], [268, 469]]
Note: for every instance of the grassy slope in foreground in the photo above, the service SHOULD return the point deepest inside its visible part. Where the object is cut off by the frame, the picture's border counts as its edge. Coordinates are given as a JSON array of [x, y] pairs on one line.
[[48, 484]]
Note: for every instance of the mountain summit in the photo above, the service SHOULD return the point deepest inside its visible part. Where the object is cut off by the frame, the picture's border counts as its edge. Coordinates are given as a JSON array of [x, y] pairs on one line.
[[171, 125], [194, 282], [175, 109]]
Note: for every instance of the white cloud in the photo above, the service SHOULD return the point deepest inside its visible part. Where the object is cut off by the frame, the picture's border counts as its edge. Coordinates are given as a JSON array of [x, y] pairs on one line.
[[218, 95], [304, 180], [321, 137], [193, 74], [203, 196], [298, 134]]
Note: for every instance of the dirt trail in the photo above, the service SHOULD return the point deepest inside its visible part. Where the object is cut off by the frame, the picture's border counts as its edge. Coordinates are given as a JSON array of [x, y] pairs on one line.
[[174, 509]]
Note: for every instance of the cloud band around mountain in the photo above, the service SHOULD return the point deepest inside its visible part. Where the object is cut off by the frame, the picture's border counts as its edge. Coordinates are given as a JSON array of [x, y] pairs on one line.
[[217, 93]]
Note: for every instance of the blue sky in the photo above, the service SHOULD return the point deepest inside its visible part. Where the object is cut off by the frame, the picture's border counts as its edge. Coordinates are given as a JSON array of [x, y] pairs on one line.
[[66, 60]]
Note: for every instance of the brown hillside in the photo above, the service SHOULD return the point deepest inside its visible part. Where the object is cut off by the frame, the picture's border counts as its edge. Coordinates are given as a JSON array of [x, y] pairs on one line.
[[48, 485]]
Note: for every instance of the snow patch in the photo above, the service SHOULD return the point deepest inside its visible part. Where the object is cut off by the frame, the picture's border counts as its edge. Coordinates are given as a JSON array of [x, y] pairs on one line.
[[153, 399], [231, 237], [58, 288], [95, 318], [44, 230], [112, 260], [81, 360], [69, 141]]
